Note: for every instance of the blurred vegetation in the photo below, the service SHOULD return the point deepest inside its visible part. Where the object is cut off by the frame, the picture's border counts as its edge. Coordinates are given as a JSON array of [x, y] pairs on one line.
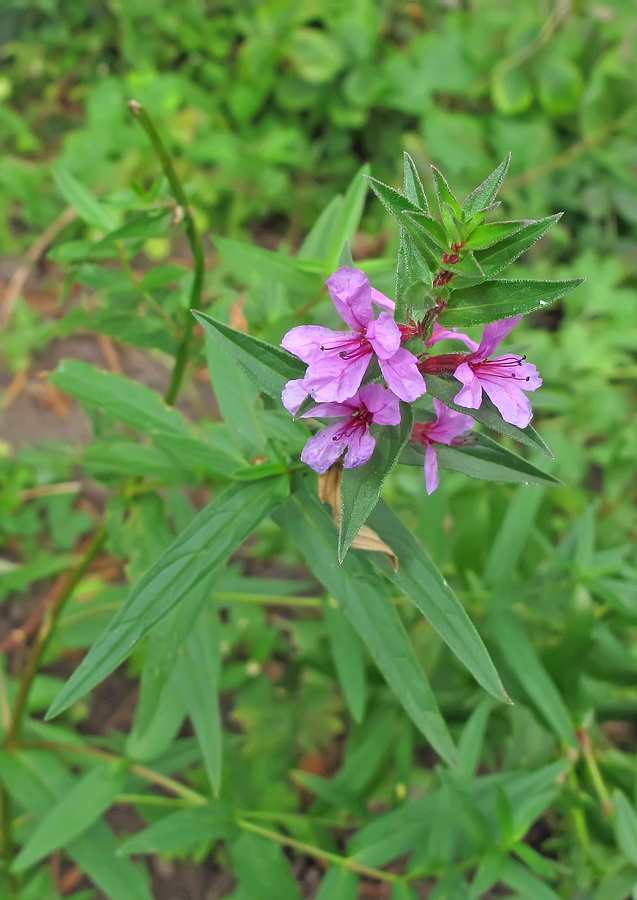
[[270, 108]]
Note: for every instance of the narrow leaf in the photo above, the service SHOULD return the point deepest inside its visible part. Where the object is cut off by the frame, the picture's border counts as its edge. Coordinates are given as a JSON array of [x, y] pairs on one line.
[[481, 457], [432, 228], [362, 487], [90, 796], [625, 825], [485, 194], [423, 583], [269, 367], [268, 264], [205, 544], [445, 194], [496, 300], [445, 389], [82, 200], [486, 235], [182, 831], [349, 218], [412, 185], [505, 251], [364, 601], [339, 884], [347, 652]]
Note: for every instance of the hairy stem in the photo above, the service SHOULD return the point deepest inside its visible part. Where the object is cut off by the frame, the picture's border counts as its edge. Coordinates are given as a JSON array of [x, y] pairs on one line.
[[194, 240]]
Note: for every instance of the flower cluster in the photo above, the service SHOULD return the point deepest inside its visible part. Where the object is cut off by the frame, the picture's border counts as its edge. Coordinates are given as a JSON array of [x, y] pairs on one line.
[[338, 362]]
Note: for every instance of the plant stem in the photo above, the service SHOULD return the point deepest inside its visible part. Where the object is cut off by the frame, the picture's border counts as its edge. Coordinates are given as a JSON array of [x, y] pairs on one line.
[[44, 635], [317, 853], [194, 240], [7, 842], [588, 753]]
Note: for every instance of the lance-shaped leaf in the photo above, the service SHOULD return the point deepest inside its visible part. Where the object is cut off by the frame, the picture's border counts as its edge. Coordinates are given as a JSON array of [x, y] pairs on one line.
[[184, 830], [492, 232], [205, 544], [485, 193], [481, 457], [82, 200], [422, 581], [445, 194], [89, 797], [500, 255], [445, 389], [435, 233], [364, 600], [268, 366], [412, 185], [413, 278], [361, 487], [301, 275], [493, 301]]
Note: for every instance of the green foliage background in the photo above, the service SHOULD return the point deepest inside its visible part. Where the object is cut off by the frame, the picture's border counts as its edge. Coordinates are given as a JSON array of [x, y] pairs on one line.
[[270, 109]]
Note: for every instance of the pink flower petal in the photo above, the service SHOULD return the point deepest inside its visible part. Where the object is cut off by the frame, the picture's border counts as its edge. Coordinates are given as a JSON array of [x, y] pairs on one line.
[[294, 393], [402, 375], [471, 393], [382, 404], [352, 295], [335, 378], [329, 411], [383, 301], [324, 448], [511, 402], [305, 341], [431, 469], [494, 334], [449, 424], [384, 336], [442, 334], [361, 447]]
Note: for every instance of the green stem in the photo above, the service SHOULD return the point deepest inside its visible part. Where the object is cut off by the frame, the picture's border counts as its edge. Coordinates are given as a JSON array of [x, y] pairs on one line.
[[588, 753], [7, 842], [44, 636], [317, 853], [194, 240]]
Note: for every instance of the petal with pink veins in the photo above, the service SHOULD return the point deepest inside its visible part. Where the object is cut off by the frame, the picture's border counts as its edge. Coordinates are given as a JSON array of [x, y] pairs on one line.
[[384, 336], [471, 393], [361, 447], [382, 404], [431, 469], [494, 334], [352, 295], [512, 403], [402, 375], [323, 449]]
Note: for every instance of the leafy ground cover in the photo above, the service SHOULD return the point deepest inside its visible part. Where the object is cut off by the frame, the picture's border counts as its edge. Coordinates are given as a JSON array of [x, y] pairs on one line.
[[249, 739]]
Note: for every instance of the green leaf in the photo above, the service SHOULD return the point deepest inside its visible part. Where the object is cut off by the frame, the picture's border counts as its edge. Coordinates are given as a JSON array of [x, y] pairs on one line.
[[561, 86], [501, 254], [259, 863], [37, 780], [486, 235], [511, 90], [482, 457], [182, 831], [315, 55], [394, 201], [525, 883], [364, 601], [471, 742], [412, 185], [423, 583], [269, 367], [205, 544], [413, 277], [485, 194], [496, 300], [445, 194], [436, 236], [347, 652], [349, 218], [81, 199], [339, 884], [246, 258], [513, 534], [90, 796], [198, 671], [517, 649], [361, 487], [625, 825], [445, 389]]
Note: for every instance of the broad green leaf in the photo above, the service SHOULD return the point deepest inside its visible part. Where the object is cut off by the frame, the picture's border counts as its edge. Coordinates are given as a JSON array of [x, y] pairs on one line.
[[198, 680], [205, 544], [268, 264], [518, 650], [485, 193], [481, 457], [259, 863], [89, 797], [625, 825], [362, 487], [501, 254], [445, 194], [269, 367], [492, 301], [364, 601], [37, 781], [182, 831], [423, 583], [412, 185], [347, 652], [82, 200], [339, 883], [445, 389]]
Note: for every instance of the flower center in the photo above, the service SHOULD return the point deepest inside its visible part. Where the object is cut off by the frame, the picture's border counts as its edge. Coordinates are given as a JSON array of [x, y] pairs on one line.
[[360, 420], [353, 348]]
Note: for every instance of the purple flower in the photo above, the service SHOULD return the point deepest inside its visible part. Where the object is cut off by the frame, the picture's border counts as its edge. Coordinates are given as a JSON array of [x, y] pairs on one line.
[[337, 360], [448, 425], [350, 435], [503, 379]]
